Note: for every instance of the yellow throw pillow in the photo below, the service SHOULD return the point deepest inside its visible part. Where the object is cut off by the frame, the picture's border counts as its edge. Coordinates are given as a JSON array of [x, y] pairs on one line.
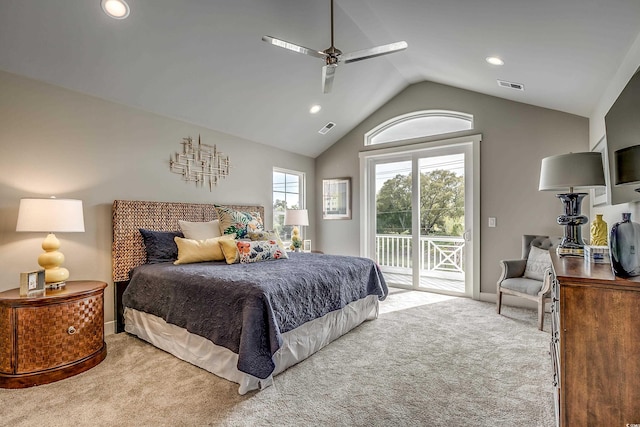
[[230, 251], [190, 251]]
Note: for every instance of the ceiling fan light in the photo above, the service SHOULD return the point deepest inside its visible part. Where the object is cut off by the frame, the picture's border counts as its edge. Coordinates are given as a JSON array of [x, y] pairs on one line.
[[116, 9]]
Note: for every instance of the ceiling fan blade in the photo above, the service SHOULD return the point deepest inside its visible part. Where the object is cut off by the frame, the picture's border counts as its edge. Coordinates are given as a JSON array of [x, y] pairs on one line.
[[328, 71], [373, 52], [294, 47]]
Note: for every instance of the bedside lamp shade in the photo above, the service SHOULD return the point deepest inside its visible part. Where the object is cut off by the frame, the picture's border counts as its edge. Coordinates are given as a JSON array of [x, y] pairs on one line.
[[567, 172], [51, 215], [298, 217]]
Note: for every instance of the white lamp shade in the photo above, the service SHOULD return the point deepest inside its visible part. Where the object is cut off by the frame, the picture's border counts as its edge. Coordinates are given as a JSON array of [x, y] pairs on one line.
[[50, 215], [566, 171], [296, 217]]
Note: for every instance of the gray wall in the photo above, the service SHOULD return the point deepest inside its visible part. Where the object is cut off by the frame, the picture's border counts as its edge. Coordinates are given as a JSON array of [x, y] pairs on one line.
[[515, 137], [63, 143]]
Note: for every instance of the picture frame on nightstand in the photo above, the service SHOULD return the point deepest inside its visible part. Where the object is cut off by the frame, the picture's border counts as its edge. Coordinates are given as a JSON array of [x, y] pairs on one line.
[[306, 246], [32, 284]]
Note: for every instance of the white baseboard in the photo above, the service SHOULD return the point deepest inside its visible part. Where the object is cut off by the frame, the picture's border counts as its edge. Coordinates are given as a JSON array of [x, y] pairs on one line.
[[109, 328]]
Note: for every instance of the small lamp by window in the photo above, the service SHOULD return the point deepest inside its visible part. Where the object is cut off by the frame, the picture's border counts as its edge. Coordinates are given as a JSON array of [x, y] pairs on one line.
[[51, 216], [297, 218]]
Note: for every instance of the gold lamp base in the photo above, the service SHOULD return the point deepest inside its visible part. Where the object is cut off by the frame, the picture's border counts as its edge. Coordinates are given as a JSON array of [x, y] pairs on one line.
[[51, 260]]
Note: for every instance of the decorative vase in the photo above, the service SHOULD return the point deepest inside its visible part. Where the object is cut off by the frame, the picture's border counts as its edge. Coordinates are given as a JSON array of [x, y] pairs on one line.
[[624, 246], [598, 231]]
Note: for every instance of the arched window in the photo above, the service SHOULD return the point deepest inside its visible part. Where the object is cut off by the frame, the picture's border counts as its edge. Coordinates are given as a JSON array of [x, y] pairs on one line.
[[417, 125]]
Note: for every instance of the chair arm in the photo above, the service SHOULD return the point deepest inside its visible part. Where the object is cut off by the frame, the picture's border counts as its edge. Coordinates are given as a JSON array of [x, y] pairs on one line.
[[546, 282], [512, 268]]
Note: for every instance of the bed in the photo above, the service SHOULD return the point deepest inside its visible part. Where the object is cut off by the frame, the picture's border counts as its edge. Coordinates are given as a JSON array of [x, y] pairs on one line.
[[243, 322]]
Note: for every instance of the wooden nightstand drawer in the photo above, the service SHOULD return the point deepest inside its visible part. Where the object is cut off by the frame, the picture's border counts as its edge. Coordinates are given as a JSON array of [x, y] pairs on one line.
[[45, 339], [58, 334]]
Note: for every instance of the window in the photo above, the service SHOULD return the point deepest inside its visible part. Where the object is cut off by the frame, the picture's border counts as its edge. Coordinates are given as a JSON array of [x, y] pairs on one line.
[[288, 193], [419, 124]]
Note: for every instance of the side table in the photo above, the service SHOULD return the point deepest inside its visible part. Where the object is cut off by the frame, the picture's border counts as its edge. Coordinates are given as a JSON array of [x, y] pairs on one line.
[[49, 338]]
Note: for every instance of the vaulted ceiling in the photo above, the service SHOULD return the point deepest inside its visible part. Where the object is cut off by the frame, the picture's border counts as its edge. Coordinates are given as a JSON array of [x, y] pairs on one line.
[[203, 61]]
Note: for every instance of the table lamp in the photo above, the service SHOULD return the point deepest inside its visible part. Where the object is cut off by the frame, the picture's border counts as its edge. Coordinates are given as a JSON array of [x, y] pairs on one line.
[[51, 216], [296, 218], [567, 172]]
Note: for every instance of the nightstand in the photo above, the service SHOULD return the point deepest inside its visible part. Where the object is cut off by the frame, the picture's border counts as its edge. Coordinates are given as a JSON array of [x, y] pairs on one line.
[[49, 338]]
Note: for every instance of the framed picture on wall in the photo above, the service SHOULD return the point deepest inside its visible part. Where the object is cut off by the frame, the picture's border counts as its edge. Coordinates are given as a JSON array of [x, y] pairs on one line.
[[599, 195], [336, 198]]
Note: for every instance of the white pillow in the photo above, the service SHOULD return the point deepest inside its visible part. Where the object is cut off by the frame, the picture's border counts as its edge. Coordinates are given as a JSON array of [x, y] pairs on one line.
[[537, 262], [200, 230]]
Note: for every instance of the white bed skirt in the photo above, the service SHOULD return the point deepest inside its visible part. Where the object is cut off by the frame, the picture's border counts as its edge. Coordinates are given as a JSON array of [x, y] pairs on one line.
[[297, 344]]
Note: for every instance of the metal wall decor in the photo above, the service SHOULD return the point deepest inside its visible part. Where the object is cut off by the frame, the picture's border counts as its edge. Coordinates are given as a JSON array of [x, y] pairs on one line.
[[201, 163]]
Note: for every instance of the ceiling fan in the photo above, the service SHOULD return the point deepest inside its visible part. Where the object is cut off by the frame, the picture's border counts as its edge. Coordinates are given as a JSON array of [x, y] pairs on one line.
[[333, 56]]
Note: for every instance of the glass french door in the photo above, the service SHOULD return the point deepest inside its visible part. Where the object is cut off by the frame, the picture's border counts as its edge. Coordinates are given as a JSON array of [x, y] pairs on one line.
[[420, 218]]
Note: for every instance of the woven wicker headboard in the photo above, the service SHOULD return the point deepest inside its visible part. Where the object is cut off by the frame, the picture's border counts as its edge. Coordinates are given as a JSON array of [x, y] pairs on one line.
[[129, 215]]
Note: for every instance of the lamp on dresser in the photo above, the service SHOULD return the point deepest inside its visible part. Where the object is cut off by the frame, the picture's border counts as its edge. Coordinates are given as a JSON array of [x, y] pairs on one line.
[[568, 172], [51, 216]]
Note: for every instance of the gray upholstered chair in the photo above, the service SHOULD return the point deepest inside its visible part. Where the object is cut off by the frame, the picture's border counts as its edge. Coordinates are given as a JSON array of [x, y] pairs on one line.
[[513, 281]]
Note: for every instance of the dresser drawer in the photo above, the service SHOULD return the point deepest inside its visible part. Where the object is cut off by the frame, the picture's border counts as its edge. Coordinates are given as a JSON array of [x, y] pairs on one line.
[[54, 335]]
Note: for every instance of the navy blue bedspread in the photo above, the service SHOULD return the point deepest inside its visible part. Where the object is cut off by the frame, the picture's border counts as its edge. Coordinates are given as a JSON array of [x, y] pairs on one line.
[[246, 307]]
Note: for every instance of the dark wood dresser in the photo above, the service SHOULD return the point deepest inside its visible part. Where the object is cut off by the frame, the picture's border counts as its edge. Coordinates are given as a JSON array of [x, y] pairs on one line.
[[45, 339], [595, 344]]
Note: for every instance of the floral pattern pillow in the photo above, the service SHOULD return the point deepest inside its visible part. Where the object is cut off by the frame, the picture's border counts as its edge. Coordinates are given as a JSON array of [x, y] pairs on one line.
[[264, 235], [259, 250], [237, 222]]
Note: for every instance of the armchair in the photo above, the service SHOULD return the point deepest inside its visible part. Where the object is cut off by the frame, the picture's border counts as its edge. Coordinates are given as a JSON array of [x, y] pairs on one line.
[[518, 281]]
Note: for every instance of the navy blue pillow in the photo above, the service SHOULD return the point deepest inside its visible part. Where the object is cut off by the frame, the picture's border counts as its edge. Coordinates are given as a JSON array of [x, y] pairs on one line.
[[160, 245]]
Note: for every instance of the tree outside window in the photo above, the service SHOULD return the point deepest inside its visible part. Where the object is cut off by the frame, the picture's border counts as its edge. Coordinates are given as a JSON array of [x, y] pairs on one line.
[[441, 204]]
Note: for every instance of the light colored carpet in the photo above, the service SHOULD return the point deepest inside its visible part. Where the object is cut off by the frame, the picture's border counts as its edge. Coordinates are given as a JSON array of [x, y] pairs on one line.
[[426, 361]]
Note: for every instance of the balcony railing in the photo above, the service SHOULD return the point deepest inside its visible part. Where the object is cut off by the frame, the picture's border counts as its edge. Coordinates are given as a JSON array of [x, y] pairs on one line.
[[440, 256]]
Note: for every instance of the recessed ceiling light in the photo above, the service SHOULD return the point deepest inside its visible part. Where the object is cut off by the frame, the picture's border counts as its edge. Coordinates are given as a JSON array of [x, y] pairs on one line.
[[314, 109], [116, 9], [494, 60]]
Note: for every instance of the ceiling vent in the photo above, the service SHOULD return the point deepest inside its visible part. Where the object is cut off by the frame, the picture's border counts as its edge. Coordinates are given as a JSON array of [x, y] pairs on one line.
[[327, 128], [510, 85]]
